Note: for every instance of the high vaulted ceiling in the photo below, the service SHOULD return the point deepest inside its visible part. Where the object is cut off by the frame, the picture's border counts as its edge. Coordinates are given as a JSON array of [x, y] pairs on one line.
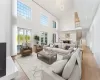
[[86, 9], [56, 7]]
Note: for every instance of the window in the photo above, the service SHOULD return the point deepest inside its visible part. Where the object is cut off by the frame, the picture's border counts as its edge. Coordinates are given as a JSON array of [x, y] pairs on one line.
[[44, 20], [23, 10], [54, 24], [44, 38], [23, 36], [54, 38]]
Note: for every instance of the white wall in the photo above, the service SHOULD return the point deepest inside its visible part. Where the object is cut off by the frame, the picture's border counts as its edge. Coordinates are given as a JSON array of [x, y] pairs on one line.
[[5, 23], [67, 22], [93, 36], [34, 24]]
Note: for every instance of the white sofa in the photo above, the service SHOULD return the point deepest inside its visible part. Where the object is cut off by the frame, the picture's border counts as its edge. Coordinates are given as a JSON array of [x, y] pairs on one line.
[[59, 51], [61, 48], [48, 74], [62, 45]]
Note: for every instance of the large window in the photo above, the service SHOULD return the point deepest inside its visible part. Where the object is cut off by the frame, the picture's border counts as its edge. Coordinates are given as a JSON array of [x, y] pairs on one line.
[[23, 10], [23, 36], [44, 20]]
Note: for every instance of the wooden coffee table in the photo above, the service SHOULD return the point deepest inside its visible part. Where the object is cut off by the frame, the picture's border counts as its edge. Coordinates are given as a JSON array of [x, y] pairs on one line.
[[49, 56]]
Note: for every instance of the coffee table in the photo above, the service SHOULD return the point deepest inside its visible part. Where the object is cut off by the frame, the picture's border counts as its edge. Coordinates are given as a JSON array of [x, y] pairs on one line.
[[47, 57]]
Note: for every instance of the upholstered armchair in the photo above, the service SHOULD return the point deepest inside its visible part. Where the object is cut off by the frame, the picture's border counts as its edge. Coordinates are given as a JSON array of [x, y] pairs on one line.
[[25, 50]]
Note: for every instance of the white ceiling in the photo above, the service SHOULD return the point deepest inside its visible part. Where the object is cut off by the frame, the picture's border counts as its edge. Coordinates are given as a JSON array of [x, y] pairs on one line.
[[86, 10], [53, 6]]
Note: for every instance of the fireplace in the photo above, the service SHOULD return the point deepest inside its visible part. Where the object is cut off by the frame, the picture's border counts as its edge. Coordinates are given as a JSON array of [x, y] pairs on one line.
[[2, 59]]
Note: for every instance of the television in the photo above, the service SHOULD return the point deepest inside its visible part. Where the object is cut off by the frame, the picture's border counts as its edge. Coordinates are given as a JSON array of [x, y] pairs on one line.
[[2, 59]]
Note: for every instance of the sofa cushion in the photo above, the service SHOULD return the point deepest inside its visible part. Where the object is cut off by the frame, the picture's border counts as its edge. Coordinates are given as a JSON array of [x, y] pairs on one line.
[[66, 47], [26, 51], [61, 51], [69, 66], [79, 57], [67, 56], [58, 66], [51, 45], [47, 74], [75, 75]]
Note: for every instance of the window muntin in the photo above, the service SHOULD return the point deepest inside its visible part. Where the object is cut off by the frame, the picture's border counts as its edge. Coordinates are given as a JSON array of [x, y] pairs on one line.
[[23, 10], [44, 20]]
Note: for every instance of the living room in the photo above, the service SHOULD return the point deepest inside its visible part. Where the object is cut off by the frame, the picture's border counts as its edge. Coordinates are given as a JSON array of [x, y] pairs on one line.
[[42, 40]]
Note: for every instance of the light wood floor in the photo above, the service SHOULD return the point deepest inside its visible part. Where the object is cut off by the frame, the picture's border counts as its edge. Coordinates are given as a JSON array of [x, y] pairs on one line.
[[90, 70]]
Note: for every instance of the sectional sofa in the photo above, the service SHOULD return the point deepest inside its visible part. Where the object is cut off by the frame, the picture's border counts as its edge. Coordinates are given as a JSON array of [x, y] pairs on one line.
[[69, 68]]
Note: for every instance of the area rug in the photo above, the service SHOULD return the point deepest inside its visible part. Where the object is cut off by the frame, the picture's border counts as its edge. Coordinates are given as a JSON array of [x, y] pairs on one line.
[[32, 66]]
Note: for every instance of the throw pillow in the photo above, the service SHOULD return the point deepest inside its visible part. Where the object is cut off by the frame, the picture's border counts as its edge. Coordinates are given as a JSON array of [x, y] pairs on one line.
[[69, 67], [56, 46], [51, 45], [67, 47], [24, 45], [79, 59], [58, 66]]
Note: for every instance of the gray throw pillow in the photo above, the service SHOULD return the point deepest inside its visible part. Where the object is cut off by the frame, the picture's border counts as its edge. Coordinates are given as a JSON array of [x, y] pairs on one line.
[[67, 47]]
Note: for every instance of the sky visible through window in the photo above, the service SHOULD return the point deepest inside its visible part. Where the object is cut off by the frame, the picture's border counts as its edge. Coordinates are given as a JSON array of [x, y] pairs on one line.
[[23, 10], [44, 20]]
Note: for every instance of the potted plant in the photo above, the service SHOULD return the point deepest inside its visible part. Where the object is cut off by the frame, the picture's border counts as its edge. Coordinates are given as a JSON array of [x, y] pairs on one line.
[[36, 38]]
